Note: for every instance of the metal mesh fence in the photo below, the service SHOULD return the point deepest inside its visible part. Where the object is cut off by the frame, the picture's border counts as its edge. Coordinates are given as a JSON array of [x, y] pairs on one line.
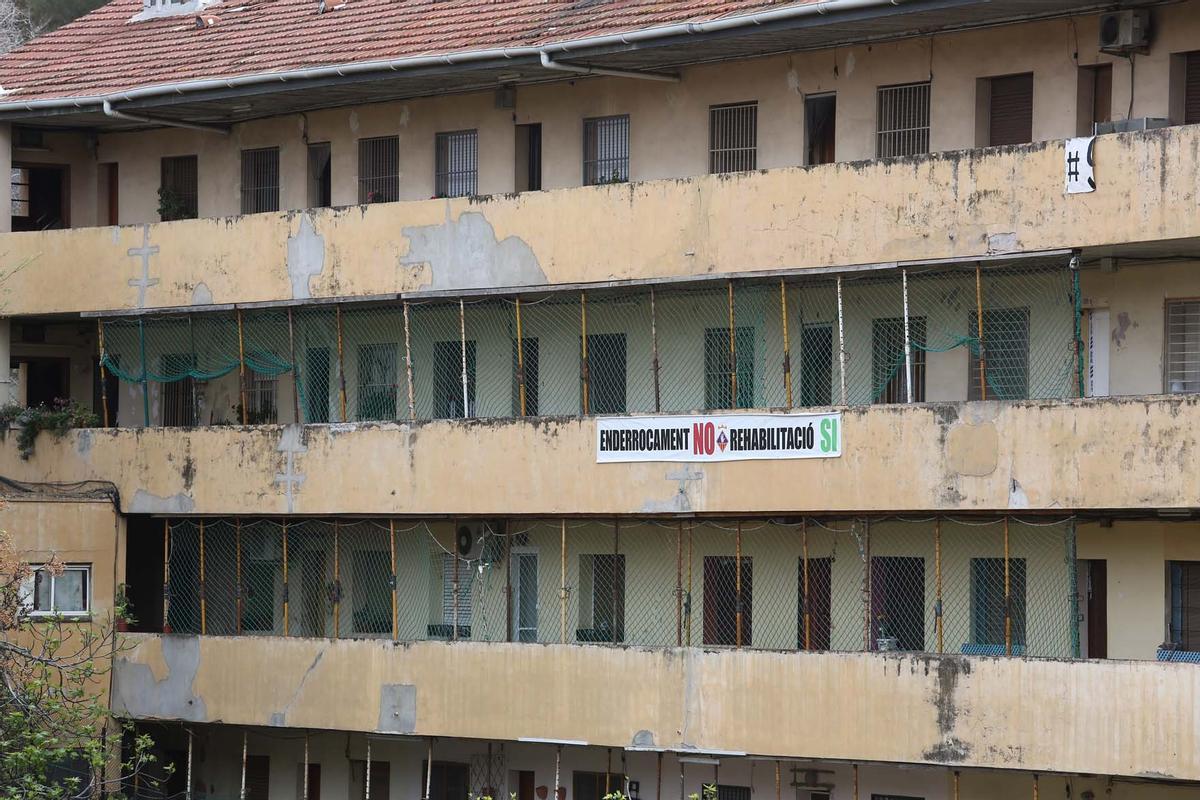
[[976, 587], [871, 337]]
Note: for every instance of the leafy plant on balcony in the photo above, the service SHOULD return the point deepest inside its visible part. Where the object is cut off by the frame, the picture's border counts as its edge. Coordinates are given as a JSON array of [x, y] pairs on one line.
[[62, 416], [171, 206]]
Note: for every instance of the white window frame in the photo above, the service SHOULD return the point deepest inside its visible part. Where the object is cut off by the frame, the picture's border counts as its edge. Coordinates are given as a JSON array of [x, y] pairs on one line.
[[28, 592], [1180, 355]]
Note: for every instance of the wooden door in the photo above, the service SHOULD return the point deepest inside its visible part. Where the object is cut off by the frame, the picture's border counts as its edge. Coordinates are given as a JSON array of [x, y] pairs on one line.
[[1097, 608]]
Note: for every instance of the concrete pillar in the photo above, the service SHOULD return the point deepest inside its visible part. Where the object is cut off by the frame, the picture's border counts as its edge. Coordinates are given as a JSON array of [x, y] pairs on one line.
[[5, 186], [8, 389]]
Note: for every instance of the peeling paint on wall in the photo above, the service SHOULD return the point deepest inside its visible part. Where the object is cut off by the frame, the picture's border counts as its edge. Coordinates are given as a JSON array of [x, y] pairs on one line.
[[398, 708], [465, 252], [305, 257], [144, 502], [138, 693], [143, 281], [291, 444], [202, 295]]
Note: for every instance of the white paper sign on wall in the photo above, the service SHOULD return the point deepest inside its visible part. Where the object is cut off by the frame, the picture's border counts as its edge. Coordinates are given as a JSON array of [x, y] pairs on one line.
[[1080, 165]]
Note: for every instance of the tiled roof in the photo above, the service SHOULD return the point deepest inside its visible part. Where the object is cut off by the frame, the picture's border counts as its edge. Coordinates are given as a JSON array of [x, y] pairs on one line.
[[104, 52]]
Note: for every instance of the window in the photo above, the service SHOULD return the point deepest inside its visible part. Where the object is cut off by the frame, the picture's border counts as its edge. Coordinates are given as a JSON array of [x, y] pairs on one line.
[[260, 180], [178, 191], [606, 373], [1006, 347], [528, 165], [528, 362], [815, 364], [733, 137], [605, 150], [179, 394], [1184, 586], [258, 588], [41, 197], [1095, 97], [263, 397], [379, 170], [457, 172], [987, 601], [718, 377], [602, 598], [524, 581], [820, 604], [66, 594], [1191, 88], [456, 606], [595, 785], [448, 380], [820, 118], [314, 385], [722, 600], [447, 781], [258, 777], [20, 192], [371, 591], [902, 120], [898, 601], [725, 792], [1183, 346], [1009, 109], [320, 175], [377, 381], [381, 779], [889, 368]]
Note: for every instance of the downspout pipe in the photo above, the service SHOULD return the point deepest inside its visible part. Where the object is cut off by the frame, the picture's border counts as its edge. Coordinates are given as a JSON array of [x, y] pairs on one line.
[[551, 64], [645, 35], [109, 111]]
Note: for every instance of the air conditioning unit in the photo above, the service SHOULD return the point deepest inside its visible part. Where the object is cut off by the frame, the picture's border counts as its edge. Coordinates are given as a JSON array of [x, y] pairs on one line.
[[1124, 32], [481, 541], [1130, 125]]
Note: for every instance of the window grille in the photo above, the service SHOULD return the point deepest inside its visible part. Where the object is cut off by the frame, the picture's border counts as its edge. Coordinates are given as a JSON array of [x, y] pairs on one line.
[[179, 190], [987, 601], [260, 180], [20, 192], [179, 397], [889, 373], [377, 381], [605, 150], [1183, 346], [263, 400], [379, 170], [463, 571], [457, 172], [903, 120], [1184, 587], [320, 175], [718, 386], [1191, 89], [733, 137]]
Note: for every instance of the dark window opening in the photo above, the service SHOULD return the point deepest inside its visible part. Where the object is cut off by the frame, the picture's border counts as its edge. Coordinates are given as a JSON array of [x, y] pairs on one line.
[[1006, 348], [987, 601], [529, 158], [898, 602], [602, 575], [1095, 97], [179, 396], [1191, 89], [819, 605], [596, 785], [377, 371], [179, 189], [1010, 109], [606, 150], [447, 781], [260, 180], [379, 170], [820, 128], [320, 175], [815, 365], [889, 361], [1183, 629], [722, 600], [314, 385], [719, 378], [40, 198]]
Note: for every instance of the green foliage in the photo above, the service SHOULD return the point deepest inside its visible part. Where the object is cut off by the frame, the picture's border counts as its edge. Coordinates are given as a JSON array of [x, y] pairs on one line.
[[708, 792], [50, 14], [63, 416], [171, 206]]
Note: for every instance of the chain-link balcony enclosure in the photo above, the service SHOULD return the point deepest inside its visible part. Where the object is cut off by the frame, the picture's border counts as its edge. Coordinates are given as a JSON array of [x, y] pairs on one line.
[[881, 336], [939, 585]]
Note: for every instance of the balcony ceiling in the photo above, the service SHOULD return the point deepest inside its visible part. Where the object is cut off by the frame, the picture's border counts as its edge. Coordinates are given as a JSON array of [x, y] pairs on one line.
[[224, 106]]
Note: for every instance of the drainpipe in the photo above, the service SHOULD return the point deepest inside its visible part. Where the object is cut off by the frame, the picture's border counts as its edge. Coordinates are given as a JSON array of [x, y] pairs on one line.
[[195, 126], [549, 63]]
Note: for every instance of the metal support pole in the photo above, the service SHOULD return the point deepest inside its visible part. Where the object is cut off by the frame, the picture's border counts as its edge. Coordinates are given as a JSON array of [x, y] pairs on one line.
[[145, 375], [103, 375], [787, 347], [166, 609], [867, 579], [395, 582], [557, 763], [285, 578], [341, 367], [462, 334], [367, 780], [562, 596], [737, 582], [856, 782], [237, 541], [616, 557], [1007, 595], [908, 354], [688, 604], [937, 572], [608, 772], [1035, 786], [956, 776], [979, 332], [520, 361], [508, 590], [305, 795], [187, 792], [682, 768], [654, 350], [1073, 568], [454, 591], [242, 790], [337, 578], [295, 369], [408, 370], [807, 608], [429, 769], [679, 584], [203, 593], [778, 782], [1078, 332], [583, 343], [841, 341], [242, 369], [658, 778], [732, 353]]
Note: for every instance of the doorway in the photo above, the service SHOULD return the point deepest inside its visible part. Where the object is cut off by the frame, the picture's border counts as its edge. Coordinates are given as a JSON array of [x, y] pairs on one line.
[[39, 198], [529, 158], [524, 578], [820, 128], [46, 379], [722, 601], [1092, 581]]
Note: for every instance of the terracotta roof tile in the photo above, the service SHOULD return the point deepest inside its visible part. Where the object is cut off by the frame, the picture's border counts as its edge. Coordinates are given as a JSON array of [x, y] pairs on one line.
[[105, 53]]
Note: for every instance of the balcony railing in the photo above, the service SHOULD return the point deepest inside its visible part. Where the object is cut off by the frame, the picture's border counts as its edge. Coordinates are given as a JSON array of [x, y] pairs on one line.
[[941, 585], [997, 332]]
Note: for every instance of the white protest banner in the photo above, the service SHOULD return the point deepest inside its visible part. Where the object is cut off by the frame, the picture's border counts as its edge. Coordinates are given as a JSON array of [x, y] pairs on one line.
[[718, 437]]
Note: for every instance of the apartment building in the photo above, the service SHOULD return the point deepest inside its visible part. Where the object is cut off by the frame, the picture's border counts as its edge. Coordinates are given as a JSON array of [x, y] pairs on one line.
[[529, 398]]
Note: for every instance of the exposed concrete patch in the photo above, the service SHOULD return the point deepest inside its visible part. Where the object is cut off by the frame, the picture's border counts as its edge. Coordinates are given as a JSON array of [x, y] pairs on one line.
[[1003, 243], [1124, 323], [202, 295], [1016, 495], [465, 252], [291, 444], [681, 501], [643, 738], [398, 708], [83, 443], [144, 502], [973, 449], [305, 257], [137, 692]]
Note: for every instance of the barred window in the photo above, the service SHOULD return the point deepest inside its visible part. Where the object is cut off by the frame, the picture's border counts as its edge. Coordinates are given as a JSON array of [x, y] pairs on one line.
[[457, 164], [20, 192], [179, 188], [1183, 346], [889, 365], [379, 170], [456, 571], [605, 150], [260, 180], [733, 137], [377, 381], [263, 400], [903, 120], [718, 380]]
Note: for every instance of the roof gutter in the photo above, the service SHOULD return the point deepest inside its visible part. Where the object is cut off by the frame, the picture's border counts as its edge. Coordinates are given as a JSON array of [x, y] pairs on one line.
[[551, 64], [542, 53], [109, 111]]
